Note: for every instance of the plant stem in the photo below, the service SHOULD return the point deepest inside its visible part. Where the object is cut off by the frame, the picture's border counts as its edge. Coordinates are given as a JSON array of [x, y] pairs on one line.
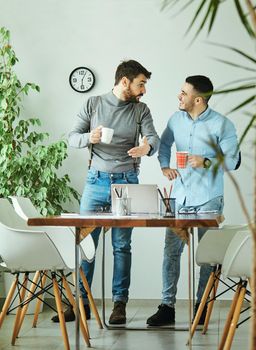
[[252, 13]]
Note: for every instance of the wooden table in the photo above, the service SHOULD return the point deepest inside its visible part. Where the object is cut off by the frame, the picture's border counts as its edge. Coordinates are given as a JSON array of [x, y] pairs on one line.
[[85, 224]]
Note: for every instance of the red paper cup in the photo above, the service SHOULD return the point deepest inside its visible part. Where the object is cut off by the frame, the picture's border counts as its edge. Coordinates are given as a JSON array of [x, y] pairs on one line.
[[181, 159]]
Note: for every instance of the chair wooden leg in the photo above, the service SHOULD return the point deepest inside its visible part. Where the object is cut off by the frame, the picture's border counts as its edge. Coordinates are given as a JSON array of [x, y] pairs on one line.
[[8, 300], [29, 295], [83, 322], [90, 298], [19, 309], [202, 304], [229, 317], [83, 315], [250, 283], [235, 318], [60, 312], [211, 303], [39, 302]]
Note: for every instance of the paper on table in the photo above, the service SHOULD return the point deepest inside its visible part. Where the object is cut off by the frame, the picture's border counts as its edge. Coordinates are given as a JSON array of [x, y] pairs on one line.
[[106, 216], [69, 214]]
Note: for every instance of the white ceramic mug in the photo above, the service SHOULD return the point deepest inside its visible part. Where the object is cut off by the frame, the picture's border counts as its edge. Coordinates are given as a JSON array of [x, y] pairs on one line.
[[106, 135]]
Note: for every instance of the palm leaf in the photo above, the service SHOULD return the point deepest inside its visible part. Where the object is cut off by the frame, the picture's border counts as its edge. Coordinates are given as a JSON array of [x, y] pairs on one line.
[[246, 130], [211, 13], [169, 3], [237, 81], [215, 5], [235, 89], [250, 58], [234, 64], [243, 18], [241, 105], [172, 3], [203, 2]]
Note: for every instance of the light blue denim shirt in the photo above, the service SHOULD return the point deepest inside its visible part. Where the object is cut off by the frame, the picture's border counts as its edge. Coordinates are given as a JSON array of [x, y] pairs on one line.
[[196, 186]]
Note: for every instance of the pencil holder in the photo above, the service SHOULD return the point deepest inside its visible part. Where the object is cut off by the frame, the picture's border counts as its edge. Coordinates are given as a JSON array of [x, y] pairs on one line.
[[123, 206], [167, 207]]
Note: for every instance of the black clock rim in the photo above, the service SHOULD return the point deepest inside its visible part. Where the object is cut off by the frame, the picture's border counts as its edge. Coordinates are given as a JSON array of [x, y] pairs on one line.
[[77, 68]]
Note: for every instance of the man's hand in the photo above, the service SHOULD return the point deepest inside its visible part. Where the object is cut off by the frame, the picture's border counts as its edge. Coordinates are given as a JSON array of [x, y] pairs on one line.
[[140, 150], [95, 135], [171, 174], [196, 161]]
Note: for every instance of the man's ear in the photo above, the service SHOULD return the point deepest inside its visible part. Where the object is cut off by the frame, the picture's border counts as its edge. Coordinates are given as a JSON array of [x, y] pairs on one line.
[[125, 81]]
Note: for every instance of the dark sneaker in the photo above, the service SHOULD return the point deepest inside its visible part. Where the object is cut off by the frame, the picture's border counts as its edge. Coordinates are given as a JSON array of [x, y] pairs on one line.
[[69, 314], [164, 316], [202, 318], [118, 315]]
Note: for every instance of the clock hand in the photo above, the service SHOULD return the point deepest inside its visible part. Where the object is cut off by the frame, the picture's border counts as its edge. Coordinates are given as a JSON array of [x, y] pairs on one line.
[[83, 77]]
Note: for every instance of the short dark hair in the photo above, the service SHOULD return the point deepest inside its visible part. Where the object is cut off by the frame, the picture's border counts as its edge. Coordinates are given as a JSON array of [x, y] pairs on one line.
[[201, 84], [130, 69]]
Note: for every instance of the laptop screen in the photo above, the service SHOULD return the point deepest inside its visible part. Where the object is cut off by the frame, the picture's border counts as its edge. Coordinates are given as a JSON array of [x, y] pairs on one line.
[[144, 198]]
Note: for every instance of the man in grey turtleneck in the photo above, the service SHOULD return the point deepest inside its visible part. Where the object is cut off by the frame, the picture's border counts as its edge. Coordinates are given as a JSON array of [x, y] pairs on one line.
[[117, 162]]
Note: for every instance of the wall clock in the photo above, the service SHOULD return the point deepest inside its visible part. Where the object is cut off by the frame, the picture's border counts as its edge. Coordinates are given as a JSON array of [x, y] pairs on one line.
[[82, 79]]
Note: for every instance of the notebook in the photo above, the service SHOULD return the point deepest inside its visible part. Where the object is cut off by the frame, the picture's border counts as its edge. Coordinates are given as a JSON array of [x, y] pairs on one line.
[[144, 198]]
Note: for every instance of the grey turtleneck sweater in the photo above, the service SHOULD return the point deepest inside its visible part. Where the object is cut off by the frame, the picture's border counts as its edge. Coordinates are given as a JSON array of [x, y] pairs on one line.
[[107, 110]]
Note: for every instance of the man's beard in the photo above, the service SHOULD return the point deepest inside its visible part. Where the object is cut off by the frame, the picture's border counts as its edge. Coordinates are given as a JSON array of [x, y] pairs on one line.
[[130, 97]]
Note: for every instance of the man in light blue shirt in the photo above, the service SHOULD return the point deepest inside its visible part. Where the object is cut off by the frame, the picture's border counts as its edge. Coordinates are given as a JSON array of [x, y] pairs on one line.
[[205, 134]]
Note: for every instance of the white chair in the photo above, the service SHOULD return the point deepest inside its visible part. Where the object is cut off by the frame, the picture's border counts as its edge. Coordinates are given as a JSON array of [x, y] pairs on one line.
[[24, 250], [211, 250], [237, 263], [25, 208]]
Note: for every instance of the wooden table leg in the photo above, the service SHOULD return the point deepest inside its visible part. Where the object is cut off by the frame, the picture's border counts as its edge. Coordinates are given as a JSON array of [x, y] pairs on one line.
[[77, 258]]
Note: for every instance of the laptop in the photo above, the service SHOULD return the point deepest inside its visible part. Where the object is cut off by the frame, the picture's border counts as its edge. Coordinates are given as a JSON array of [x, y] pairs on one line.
[[144, 198]]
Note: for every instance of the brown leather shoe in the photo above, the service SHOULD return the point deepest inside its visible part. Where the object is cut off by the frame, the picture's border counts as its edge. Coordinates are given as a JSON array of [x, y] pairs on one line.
[[69, 314], [118, 315]]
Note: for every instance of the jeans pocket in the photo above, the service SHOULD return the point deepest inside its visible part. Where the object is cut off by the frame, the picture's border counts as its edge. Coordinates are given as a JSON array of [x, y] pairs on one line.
[[132, 178], [91, 177]]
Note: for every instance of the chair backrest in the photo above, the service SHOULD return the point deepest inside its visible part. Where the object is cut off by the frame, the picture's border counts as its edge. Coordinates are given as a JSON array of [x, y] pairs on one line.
[[24, 207], [23, 249], [212, 247], [237, 261], [62, 237]]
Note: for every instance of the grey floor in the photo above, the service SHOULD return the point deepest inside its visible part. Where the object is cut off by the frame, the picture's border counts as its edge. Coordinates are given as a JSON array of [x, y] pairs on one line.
[[47, 334]]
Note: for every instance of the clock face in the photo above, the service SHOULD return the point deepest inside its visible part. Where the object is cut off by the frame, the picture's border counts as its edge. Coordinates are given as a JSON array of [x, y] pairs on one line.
[[82, 79]]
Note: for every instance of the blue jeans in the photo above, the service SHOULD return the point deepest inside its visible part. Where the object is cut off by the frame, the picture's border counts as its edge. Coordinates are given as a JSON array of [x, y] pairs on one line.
[[172, 254], [97, 197]]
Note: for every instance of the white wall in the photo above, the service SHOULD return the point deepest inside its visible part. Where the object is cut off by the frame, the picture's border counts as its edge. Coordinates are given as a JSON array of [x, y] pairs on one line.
[[52, 37]]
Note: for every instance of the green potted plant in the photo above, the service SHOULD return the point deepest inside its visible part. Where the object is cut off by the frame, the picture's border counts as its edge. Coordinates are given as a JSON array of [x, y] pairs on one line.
[[28, 166]]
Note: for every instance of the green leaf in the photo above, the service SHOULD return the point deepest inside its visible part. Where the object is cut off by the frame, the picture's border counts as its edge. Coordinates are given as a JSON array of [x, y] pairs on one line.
[[215, 6], [234, 64], [248, 127], [203, 2], [4, 104], [242, 104], [243, 18]]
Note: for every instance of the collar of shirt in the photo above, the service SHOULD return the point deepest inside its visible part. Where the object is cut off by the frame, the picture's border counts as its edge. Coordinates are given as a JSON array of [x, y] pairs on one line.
[[201, 116]]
